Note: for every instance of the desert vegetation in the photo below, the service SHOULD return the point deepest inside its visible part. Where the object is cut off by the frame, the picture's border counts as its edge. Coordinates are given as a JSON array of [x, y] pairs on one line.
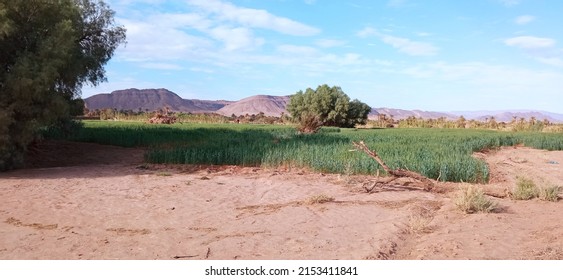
[[527, 189], [441, 154], [471, 199], [46, 59], [515, 125], [112, 114], [320, 199], [328, 106]]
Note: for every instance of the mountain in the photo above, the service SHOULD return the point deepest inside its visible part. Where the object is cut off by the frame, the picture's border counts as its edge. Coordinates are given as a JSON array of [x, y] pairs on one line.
[[399, 114], [267, 104], [507, 116], [151, 99], [154, 99]]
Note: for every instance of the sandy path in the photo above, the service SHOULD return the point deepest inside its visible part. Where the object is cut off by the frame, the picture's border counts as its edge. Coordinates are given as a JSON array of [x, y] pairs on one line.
[[99, 210]]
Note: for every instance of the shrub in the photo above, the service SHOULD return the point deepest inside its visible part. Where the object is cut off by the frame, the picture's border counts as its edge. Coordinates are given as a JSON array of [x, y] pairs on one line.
[[549, 193], [319, 199], [525, 189], [309, 124], [471, 199], [418, 223]]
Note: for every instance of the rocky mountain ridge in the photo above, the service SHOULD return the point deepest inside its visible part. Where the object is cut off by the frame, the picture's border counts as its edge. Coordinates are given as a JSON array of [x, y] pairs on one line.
[[154, 99]]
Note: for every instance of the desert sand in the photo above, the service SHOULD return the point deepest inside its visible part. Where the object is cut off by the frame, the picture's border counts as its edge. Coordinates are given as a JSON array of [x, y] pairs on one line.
[[88, 201]]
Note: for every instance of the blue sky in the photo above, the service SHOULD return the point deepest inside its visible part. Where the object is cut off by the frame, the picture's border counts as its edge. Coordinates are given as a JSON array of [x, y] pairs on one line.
[[409, 54]]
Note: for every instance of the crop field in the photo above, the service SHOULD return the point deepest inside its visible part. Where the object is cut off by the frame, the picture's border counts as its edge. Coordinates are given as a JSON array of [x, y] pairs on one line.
[[444, 154]]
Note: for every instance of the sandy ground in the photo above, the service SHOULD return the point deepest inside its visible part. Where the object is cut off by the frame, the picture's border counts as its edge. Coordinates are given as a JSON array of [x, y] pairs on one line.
[[88, 201]]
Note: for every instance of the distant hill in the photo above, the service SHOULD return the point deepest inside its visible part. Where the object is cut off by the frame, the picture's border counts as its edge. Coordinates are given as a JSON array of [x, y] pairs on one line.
[[154, 99], [151, 99], [500, 116], [399, 114], [267, 104], [507, 116]]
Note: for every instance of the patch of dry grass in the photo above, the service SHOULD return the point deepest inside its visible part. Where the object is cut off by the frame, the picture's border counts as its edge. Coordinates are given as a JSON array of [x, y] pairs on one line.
[[418, 223], [471, 199], [320, 199], [525, 189], [549, 193], [548, 253]]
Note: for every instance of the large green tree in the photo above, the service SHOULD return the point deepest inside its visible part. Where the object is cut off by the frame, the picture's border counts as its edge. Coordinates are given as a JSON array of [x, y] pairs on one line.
[[329, 105], [48, 50]]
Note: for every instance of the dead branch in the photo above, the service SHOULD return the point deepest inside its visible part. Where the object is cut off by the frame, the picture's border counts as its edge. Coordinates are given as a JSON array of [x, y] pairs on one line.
[[378, 183], [428, 184], [185, 257], [497, 195]]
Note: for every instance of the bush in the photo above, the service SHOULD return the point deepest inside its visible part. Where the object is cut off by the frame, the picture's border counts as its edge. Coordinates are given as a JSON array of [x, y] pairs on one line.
[[549, 193], [418, 223], [525, 189], [320, 199], [309, 124], [471, 199]]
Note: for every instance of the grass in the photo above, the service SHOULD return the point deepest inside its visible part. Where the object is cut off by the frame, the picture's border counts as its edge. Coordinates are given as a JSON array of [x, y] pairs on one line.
[[549, 193], [435, 153], [320, 199], [525, 189], [471, 199], [418, 223]]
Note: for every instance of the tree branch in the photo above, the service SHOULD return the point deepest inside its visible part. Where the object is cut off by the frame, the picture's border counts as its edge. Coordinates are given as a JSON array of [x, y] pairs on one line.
[[428, 184]]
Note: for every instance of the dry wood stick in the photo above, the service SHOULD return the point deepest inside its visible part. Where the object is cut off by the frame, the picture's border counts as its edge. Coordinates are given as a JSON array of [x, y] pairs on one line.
[[208, 253], [428, 184]]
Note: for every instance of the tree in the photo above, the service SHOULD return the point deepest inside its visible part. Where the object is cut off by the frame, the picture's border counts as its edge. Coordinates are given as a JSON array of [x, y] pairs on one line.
[[48, 50], [328, 106], [461, 122]]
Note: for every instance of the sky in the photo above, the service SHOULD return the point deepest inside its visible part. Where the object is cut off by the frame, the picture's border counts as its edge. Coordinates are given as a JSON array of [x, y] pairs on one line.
[[434, 55]]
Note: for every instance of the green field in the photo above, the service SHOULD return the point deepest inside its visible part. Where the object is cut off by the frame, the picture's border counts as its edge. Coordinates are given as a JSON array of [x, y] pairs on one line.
[[435, 153]]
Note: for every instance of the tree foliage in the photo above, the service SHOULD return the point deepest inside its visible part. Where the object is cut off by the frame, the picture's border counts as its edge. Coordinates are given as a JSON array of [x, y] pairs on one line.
[[329, 105], [48, 50]]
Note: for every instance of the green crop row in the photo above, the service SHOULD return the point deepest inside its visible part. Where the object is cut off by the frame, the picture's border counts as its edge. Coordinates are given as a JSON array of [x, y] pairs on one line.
[[444, 154]]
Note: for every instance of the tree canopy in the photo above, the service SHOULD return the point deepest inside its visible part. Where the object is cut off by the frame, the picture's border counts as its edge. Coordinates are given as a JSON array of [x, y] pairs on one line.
[[48, 50], [330, 105]]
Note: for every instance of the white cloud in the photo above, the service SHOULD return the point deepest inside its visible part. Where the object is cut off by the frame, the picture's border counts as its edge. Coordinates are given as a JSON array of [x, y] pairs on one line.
[[187, 20], [525, 19], [202, 70], [153, 40], [491, 78], [530, 42], [254, 18], [551, 60], [542, 50], [211, 27], [404, 45], [367, 32], [410, 47], [236, 38]]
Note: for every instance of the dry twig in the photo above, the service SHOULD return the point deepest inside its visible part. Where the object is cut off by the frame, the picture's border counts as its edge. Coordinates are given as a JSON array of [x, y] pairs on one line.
[[396, 173]]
